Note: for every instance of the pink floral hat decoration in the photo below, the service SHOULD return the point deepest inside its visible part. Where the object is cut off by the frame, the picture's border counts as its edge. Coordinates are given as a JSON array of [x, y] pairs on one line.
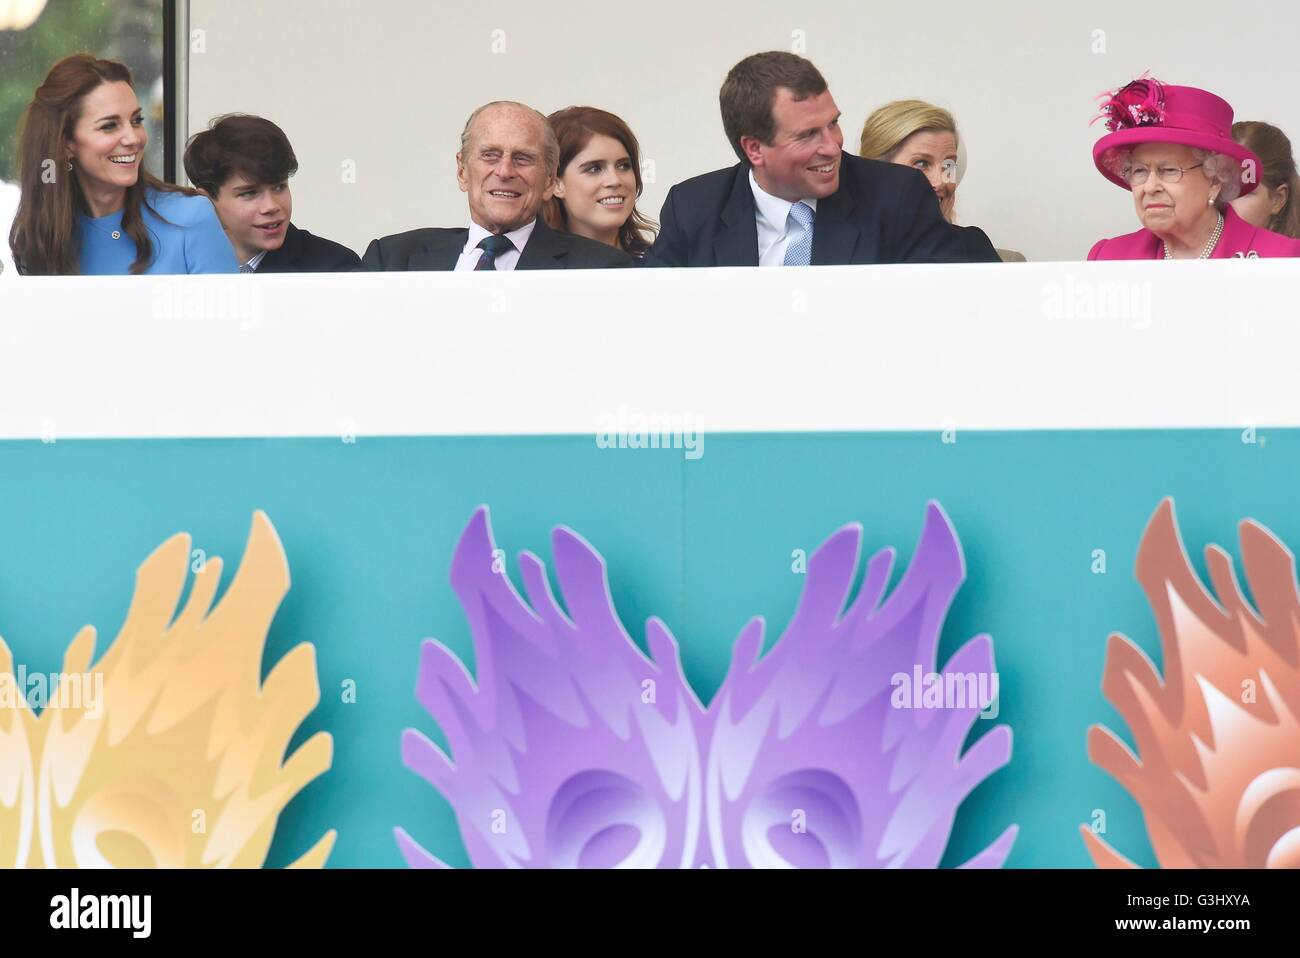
[[1148, 111]]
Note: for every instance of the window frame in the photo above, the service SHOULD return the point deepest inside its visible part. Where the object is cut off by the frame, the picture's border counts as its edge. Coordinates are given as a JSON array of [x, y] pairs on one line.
[[176, 66]]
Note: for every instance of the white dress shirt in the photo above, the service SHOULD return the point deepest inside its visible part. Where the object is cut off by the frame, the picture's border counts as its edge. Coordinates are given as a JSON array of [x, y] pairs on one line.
[[470, 255], [773, 218]]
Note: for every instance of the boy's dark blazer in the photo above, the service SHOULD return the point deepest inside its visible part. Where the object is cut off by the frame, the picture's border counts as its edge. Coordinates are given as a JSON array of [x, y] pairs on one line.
[[301, 252]]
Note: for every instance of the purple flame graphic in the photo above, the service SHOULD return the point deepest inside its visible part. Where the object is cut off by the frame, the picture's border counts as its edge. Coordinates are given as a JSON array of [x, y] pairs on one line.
[[575, 750]]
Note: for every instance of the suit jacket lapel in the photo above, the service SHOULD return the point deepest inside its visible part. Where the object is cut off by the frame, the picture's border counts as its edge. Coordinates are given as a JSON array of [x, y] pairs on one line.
[[834, 234], [284, 259], [290, 251], [441, 253], [544, 248], [737, 243]]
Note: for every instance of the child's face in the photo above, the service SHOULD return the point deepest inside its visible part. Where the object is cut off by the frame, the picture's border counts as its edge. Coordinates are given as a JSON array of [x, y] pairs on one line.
[[256, 215]]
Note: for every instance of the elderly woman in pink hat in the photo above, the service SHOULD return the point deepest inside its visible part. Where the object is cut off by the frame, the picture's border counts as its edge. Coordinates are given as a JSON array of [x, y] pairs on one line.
[[1172, 147]]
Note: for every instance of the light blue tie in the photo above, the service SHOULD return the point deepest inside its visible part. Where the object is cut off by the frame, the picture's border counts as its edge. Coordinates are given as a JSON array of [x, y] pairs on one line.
[[798, 251]]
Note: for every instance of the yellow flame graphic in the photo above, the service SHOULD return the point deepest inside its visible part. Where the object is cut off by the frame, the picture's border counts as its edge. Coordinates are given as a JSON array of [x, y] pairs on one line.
[[170, 752]]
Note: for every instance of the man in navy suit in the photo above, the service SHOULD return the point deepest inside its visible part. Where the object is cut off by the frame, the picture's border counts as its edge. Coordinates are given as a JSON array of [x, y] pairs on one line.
[[796, 198]]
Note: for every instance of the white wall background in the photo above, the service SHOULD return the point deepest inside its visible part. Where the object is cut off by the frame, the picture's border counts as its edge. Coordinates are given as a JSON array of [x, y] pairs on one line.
[[387, 85]]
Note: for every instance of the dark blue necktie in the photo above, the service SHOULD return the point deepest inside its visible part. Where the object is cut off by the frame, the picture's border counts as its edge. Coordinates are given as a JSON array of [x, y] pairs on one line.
[[492, 247]]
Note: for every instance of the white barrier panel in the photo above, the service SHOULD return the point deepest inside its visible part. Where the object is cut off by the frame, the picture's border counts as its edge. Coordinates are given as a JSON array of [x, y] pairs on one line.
[[1036, 346]]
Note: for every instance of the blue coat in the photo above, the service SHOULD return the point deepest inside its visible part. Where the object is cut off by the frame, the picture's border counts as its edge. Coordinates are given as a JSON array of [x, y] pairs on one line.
[[186, 234]]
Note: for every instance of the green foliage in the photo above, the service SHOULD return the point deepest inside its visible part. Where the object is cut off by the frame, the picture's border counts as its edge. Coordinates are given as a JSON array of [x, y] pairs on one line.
[[126, 30]]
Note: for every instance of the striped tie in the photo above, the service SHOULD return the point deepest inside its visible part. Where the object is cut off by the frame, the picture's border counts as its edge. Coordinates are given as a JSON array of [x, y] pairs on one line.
[[798, 251], [245, 268], [492, 247]]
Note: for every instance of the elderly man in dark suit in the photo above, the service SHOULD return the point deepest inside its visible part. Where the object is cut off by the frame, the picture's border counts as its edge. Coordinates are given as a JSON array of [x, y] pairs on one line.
[[507, 167], [796, 198]]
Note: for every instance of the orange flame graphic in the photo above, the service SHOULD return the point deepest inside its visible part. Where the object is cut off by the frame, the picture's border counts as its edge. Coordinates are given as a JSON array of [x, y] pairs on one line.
[[1218, 767]]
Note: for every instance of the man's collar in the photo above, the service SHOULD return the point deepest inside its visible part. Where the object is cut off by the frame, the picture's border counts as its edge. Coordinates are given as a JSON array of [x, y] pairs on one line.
[[519, 237], [771, 208]]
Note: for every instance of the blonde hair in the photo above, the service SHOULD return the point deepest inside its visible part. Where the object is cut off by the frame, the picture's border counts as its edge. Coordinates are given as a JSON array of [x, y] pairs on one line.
[[889, 126]]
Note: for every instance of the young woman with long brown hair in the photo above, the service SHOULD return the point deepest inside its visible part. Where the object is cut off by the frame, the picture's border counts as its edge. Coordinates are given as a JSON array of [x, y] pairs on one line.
[[87, 205], [599, 181]]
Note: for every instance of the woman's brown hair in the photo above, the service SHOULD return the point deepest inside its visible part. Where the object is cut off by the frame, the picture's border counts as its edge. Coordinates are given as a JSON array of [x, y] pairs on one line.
[[44, 238], [1273, 148], [574, 127]]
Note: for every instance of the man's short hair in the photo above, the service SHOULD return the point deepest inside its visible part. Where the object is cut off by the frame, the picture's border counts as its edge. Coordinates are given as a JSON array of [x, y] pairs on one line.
[[750, 89], [239, 144], [550, 144]]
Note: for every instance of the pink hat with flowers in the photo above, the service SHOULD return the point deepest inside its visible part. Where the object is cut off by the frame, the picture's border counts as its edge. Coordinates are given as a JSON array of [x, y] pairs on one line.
[[1148, 111]]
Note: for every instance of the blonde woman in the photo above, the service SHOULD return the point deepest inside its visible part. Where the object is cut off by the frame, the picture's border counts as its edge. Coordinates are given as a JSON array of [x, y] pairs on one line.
[[923, 136]]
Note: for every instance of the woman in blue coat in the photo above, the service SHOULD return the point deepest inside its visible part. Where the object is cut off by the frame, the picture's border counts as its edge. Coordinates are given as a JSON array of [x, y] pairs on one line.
[[87, 205]]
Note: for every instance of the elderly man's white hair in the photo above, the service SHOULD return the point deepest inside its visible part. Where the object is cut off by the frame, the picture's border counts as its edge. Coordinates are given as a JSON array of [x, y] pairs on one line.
[[550, 144]]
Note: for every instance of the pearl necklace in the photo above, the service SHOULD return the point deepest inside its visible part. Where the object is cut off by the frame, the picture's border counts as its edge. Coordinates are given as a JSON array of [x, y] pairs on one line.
[[1209, 247]]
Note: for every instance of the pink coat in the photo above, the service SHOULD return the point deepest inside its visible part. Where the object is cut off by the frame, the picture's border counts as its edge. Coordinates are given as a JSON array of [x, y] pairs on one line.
[[1239, 239]]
